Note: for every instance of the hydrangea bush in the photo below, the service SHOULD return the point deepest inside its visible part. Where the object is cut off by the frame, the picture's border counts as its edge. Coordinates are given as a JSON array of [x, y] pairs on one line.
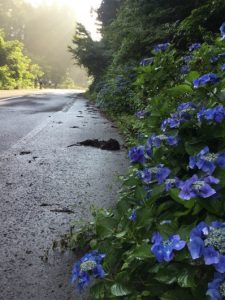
[[166, 238]]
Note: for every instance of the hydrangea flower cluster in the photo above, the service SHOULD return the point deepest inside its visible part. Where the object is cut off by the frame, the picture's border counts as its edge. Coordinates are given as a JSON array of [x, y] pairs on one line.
[[161, 47], [89, 264], [187, 58], [216, 114], [207, 161], [141, 114], [183, 114], [164, 250], [146, 61], [216, 288], [156, 140], [171, 183], [185, 69], [209, 78], [197, 187], [159, 173], [209, 242], [194, 46], [216, 57], [137, 154]]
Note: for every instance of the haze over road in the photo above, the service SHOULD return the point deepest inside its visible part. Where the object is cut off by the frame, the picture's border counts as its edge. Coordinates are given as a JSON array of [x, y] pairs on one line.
[[41, 179]]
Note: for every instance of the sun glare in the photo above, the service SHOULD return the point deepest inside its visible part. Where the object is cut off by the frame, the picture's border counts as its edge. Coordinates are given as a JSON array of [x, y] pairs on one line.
[[83, 10]]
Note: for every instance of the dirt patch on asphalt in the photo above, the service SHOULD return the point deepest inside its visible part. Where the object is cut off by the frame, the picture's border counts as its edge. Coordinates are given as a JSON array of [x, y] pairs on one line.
[[111, 144]]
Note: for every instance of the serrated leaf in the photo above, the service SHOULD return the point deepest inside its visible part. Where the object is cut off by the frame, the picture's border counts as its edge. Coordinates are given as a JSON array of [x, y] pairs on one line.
[[186, 279], [119, 291]]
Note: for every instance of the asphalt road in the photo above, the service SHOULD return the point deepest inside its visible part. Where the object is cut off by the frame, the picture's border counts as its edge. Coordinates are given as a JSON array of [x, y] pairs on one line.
[[40, 179]]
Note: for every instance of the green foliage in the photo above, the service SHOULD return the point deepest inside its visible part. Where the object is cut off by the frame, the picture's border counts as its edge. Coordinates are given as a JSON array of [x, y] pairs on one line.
[[132, 269], [45, 30], [89, 53], [16, 69]]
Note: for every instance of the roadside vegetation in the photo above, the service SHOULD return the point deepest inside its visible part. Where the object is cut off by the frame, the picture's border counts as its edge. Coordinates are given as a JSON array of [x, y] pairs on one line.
[[159, 71], [16, 69], [43, 32]]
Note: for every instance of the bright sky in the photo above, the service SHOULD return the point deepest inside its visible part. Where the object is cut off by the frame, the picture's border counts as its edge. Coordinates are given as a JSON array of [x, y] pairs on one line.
[[82, 10]]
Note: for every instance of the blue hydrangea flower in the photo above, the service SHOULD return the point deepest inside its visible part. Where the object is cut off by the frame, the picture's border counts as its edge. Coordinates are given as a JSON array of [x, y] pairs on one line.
[[159, 173], [214, 58], [164, 250], [146, 61], [194, 47], [216, 114], [187, 58], [89, 264], [171, 183], [222, 30], [137, 154], [173, 122], [157, 140], [186, 107], [184, 69], [223, 67], [197, 187], [206, 161], [183, 114], [141, 114], [216, 288], [133, 216], [209, 78], [161, 47], [209, 242]]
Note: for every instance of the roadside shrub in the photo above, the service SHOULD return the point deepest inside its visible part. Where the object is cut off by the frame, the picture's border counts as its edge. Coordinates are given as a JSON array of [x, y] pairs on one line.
[[165, 239]]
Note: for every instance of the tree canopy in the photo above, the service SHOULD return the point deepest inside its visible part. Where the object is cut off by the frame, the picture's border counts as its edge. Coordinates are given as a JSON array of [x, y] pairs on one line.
[[46, 32], [130, 28]]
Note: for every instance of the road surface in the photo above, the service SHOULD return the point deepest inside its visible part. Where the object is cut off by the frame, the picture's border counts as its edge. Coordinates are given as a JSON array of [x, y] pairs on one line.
[[41, 178]]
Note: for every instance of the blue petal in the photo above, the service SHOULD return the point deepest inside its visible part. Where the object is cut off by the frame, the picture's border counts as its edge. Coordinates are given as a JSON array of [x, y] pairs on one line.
[[221, 160], [158, 251], [220, 266], [214, 294], [206, 191], [168, 253], [196, 247], [211, 256], [156, 238]]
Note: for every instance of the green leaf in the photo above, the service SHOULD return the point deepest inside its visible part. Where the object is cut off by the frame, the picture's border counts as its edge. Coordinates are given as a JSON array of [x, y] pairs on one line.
[[179, 90], [121, 234], [119, 291], [98, 290], [177, 294], [186, 278], [166, 277], [192, 75], [213, 206], [174, 193], [193, 148], [142, 252], [105, 225]]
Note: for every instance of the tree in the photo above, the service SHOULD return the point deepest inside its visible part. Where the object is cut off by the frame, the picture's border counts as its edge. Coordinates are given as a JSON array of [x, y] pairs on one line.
[[88, 53], [16, 69]]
